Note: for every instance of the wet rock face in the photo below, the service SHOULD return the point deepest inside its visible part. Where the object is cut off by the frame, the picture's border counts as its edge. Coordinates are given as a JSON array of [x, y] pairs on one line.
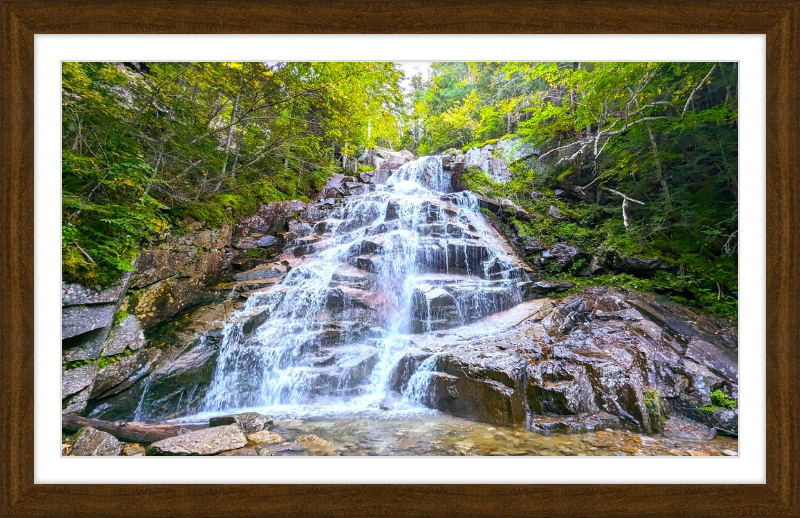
[[629, 357], [603, 353], [475, 395], [201, 442], [91, 442], [177, 380], [123, 373], [724, 421]]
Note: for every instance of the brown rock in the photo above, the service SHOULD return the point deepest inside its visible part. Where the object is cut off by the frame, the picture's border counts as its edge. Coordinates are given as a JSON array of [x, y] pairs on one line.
[[91, 442], [264, 437], [201, 442]]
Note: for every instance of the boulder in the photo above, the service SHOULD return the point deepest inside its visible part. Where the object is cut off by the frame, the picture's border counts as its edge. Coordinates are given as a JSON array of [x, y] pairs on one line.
[[266, 241], [77, 320], [562, 256], [127, 334], [543, 288], [209, 441], [334, 187], [87, 346], [529, 245], [484, 400], [75, 294], [77, 379], [264, 437], [133, 450], [91, 442], [557, 213], [76, 403], [314, 445], [512, 210], [356, 188], [376, 177], [385, 159], [269, 219], [480, 382], [611, 259], [241, 452], [249, 422], [494, 158]]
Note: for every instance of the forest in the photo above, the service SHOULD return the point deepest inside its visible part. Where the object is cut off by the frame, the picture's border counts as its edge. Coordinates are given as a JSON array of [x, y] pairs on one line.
[[276, 258], [640, 158]]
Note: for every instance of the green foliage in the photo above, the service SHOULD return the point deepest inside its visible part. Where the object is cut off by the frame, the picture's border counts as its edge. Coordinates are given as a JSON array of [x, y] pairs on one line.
[[77, 363], [722, 400], [102, 362], [664, 134], [119, 316], [476, 181], [146, 145]]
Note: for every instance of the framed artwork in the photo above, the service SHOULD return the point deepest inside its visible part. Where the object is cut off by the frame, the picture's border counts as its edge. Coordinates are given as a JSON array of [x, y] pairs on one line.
[[430, 258]]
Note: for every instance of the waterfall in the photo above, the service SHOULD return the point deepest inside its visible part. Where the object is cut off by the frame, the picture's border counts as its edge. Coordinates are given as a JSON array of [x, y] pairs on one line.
[[379, 268]]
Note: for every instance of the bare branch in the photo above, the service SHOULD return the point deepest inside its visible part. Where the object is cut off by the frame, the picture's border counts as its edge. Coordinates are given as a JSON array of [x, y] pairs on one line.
[[696, 88], [625, 200], [637, 121], [577, 142], [85, 254]]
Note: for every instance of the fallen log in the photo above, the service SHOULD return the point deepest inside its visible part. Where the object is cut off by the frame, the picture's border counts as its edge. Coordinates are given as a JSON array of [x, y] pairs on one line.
[[130, 431]]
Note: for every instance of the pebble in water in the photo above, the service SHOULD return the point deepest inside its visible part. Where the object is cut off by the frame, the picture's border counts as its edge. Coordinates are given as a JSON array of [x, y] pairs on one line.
[[455, 436]]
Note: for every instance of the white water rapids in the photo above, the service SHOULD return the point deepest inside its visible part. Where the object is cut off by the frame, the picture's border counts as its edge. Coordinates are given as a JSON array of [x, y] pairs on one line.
[[408, 258]]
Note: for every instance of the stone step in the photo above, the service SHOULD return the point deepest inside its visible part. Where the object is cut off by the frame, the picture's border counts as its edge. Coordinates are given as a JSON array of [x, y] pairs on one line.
[[265, 271]]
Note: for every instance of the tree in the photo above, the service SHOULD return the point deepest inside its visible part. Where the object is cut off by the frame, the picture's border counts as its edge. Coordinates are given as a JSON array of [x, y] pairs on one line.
[[146, 145]]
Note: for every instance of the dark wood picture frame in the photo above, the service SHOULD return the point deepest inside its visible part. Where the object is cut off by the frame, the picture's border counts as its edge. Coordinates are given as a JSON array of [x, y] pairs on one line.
[[779, 20]]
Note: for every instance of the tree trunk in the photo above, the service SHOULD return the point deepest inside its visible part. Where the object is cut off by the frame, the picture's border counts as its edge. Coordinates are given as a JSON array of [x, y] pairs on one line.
[[231, 130], [130, 431], [659, 175]]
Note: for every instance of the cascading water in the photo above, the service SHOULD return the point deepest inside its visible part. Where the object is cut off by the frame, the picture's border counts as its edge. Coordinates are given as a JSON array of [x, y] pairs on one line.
[[379, 268]]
